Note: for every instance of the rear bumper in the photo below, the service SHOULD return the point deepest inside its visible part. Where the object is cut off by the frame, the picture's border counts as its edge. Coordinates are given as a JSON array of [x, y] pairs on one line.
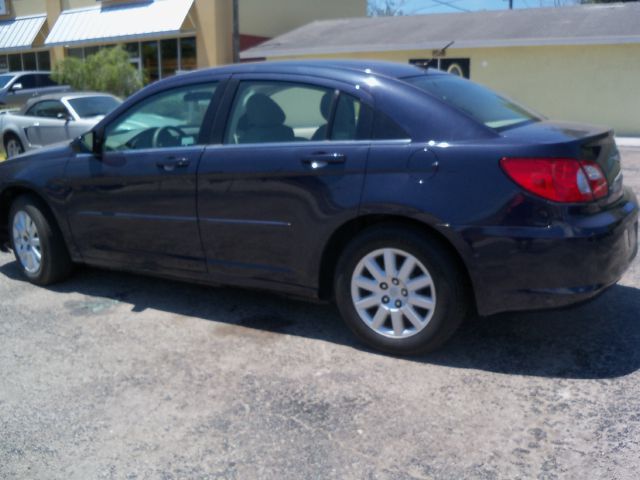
[[518, 268]]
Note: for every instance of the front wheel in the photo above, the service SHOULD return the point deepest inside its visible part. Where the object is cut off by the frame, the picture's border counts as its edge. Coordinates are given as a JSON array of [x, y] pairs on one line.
[[37, 242], [400, 291]]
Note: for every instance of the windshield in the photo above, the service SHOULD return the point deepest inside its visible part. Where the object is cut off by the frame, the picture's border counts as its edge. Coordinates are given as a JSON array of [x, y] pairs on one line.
[[479, 102], [87, 107], [4, 79]]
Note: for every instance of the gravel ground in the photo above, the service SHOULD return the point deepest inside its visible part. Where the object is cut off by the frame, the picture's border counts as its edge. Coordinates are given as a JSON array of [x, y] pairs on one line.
[[118, 376]]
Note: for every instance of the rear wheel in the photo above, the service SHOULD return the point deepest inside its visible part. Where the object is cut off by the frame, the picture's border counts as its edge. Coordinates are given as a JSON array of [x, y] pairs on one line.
[[399, 291], [37, 242], [13, 146]]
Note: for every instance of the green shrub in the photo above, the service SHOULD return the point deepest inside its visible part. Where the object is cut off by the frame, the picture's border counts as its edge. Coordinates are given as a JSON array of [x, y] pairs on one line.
[[109, 70]]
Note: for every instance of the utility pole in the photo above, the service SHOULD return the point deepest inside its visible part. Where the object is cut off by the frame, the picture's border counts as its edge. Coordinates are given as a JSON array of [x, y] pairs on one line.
[[236, 32]]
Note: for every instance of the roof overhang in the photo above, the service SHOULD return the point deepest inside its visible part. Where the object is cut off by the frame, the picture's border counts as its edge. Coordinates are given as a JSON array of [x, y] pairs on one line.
[[20, 33], [267, 51], [118, 23]]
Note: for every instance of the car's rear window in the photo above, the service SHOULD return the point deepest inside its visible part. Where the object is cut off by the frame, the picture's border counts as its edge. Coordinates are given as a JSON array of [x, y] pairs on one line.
[[87, 107], [4, 79], [479, 102]]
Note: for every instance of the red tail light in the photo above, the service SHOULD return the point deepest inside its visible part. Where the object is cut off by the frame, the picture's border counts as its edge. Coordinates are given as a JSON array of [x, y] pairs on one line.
[[559, 179]]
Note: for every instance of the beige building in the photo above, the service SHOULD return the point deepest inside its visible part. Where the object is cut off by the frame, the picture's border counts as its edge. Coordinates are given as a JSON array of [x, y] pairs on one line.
[[576, 63], [161, 36]]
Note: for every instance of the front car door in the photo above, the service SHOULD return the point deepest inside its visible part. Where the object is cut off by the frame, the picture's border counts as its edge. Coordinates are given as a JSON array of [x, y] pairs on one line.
[[48, 121], [135, 205], [288, 169], [28, 88]]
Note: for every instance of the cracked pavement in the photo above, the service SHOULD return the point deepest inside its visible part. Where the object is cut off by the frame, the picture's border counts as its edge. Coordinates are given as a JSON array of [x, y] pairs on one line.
[[112, 375]]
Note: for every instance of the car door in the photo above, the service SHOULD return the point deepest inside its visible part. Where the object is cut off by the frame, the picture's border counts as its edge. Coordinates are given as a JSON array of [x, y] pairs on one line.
[[285, 173], [48, 121], [22, 89], [135, 205]]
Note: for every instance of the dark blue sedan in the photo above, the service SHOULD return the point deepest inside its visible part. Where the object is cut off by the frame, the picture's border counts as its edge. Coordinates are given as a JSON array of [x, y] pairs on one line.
[[413, 198]]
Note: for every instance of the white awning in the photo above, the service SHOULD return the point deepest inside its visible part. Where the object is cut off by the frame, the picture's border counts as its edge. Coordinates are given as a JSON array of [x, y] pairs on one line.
[[20, 32], [119, 22]]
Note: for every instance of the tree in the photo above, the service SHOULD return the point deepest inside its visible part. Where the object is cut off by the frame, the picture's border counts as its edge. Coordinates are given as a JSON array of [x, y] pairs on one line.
[[109, 70], [385, 8]]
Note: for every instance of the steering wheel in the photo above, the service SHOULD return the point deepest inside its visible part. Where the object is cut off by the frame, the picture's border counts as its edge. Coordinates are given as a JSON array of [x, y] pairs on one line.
[[156, 142]]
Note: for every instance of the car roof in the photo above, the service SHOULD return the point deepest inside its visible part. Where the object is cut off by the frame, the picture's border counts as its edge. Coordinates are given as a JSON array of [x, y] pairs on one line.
[[324, 68], [26, 72]]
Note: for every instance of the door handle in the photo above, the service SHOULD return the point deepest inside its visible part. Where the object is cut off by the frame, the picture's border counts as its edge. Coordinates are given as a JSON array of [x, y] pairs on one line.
[[322, 159], [37, 124], [171, 163]]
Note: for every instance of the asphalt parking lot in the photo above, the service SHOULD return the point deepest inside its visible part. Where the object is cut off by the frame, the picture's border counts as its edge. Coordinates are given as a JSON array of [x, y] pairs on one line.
[[119, 376]]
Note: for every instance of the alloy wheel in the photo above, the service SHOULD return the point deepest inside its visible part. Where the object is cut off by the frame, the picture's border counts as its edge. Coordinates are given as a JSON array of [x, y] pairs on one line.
[[393, 293], [26, 241]]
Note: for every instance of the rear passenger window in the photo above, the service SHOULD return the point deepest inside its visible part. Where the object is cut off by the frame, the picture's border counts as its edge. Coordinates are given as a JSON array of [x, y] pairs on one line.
[[266, 112], [45, 81]]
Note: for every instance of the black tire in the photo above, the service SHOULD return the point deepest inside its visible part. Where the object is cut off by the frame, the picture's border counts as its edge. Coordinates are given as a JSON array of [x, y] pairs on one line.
[[453, 303], [55, 263], [11, 137]]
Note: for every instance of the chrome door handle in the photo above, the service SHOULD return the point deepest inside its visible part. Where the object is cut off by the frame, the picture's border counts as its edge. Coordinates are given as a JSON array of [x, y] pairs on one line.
[[322, 159]]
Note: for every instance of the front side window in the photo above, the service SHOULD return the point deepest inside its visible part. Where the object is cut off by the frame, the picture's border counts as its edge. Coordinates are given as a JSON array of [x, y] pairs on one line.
[[48, 109], [482, 104], [168, 119], [266, 112], [27, 81]]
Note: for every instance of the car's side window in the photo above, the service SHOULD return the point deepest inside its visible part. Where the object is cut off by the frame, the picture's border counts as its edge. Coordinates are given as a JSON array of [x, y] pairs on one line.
[[172, 118], [45, 81], [265, 112], [27, 81], [48, 109]]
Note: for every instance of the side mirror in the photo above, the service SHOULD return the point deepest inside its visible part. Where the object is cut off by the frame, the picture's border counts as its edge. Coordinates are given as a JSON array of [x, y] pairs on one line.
[[64, 116], [16, 87], [89, 143]]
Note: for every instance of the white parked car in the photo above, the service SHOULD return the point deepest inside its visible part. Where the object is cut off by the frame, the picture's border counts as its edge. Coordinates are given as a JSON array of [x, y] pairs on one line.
[[53, 118]]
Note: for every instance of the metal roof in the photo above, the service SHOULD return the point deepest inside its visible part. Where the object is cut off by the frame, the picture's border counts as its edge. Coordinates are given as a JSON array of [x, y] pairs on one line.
[[119, 22], [20, 32], [579, 25]]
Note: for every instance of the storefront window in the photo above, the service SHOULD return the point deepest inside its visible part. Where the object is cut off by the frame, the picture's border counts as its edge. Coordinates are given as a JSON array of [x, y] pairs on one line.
[[15, 62], [44, 61], [4, 63], [75, 53], [189, 60], [133, 49], [150, 61], [169, 55], [29, 61]]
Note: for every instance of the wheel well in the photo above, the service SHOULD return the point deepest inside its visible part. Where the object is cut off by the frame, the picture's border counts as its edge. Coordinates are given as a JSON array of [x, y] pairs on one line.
[[8, 134], [351, 229], [7, 198]]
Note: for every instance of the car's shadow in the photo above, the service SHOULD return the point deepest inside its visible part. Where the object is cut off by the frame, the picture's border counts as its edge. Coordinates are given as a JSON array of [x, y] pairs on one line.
[[596, 340]]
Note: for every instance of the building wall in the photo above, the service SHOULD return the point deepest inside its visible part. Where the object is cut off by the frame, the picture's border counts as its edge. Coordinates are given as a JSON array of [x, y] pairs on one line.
[[23, 8], [592, 84]]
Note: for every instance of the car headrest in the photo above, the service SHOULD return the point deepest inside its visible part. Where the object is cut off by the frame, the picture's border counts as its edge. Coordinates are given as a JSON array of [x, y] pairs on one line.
[[261, 111], [325, 105]]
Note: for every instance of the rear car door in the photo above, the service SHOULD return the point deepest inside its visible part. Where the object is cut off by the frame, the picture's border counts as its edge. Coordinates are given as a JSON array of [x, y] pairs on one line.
[[135, 205], [287, 169]]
